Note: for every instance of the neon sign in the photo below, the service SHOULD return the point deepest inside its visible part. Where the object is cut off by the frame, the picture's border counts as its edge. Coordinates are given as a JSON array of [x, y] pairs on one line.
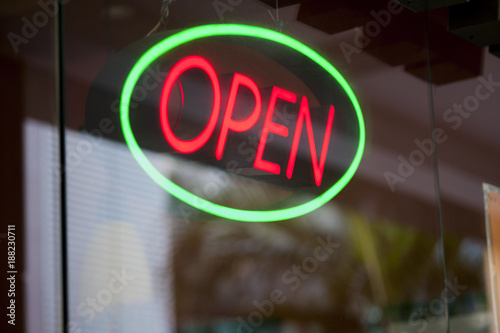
[[230, 124], [189, 146]]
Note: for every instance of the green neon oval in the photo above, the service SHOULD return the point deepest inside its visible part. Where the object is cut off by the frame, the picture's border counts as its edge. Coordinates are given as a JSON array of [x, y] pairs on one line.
[[192, 199]]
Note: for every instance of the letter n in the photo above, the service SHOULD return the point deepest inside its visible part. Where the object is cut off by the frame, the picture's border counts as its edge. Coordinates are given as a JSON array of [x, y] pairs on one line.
[[304, 114]]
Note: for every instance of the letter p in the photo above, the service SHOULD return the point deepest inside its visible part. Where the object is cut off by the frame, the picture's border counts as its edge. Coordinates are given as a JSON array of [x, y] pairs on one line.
[[238, 125]]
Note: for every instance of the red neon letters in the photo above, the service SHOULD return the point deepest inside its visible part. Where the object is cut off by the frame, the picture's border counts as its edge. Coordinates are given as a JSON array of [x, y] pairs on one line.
[[304, 114], [243, 125], [269, 126], [229, 124], [176, 71]]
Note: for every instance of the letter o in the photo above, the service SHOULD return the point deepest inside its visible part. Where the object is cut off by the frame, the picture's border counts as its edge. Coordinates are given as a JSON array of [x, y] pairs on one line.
[[44, 19], [101, 298], [180, 67], [370, 32], [440, 307], [139, 94], [259, 321], [84, 148], [421, 158], [211, 190], [309, 268], [471, 106]]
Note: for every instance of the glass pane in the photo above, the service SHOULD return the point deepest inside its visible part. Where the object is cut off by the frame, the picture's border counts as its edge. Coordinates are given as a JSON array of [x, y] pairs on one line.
[[467, 112], [30, 237], [370, 259]]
